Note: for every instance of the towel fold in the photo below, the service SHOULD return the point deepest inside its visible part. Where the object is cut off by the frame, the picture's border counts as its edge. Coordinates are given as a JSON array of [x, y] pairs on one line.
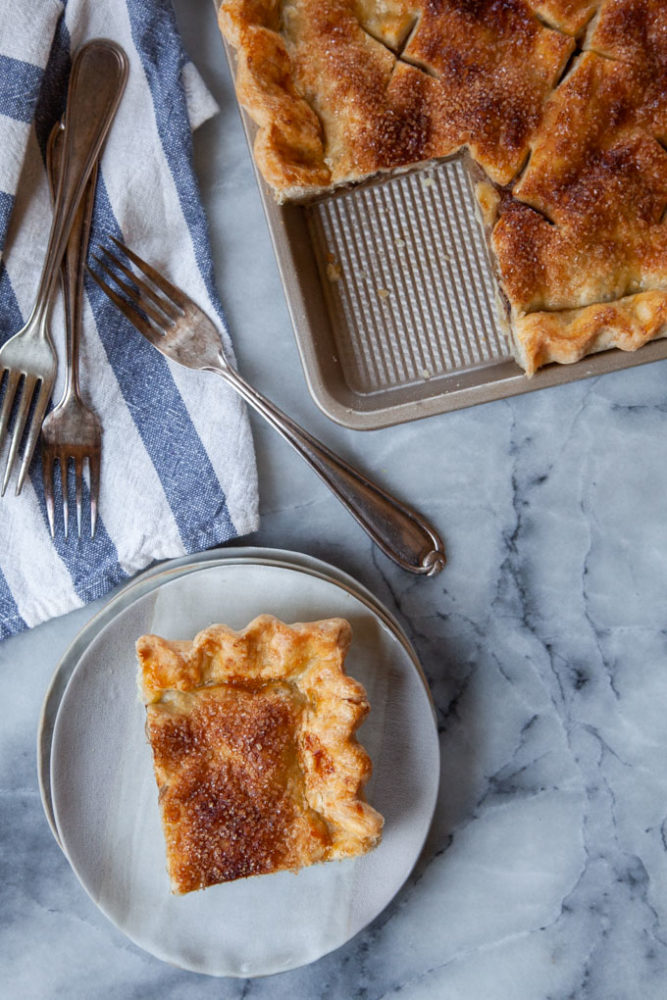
[[178, 468]]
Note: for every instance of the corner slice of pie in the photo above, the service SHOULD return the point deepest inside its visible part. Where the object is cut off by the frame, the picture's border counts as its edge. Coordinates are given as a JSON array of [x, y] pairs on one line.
[[254, 749]]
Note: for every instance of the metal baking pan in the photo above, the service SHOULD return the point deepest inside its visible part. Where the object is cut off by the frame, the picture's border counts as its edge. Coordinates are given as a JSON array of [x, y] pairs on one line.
[[393, 301]]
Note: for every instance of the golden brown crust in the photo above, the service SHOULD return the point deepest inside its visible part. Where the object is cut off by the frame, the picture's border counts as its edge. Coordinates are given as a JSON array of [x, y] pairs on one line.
[[632, 31], [254, 752], [570, 16], [598, 179], [567, 336], [584, 228], [288, 147]]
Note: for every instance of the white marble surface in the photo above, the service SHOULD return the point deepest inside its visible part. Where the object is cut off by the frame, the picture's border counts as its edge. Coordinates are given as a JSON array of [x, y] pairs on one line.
[[545, 874]]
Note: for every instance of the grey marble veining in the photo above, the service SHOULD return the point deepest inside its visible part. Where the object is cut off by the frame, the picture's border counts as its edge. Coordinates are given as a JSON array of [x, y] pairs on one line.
[[545, 873]]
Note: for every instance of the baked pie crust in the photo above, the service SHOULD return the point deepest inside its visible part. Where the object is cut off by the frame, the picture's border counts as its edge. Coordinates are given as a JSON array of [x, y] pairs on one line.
[[343, 89], [560, 105], [255, 757]]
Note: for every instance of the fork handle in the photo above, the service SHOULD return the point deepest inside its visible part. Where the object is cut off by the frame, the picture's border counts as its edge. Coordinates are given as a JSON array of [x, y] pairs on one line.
[[401, 533], [98, 77]]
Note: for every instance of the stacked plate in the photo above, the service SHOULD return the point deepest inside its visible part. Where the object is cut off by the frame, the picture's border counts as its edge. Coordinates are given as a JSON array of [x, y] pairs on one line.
[[99, 792]]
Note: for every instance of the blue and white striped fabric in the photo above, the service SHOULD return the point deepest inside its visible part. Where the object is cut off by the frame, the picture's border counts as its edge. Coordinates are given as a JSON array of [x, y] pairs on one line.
[[178, 469]]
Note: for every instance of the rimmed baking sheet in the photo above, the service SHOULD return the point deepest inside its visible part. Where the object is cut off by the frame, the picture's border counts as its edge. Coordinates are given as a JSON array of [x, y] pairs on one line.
[[392, 298]]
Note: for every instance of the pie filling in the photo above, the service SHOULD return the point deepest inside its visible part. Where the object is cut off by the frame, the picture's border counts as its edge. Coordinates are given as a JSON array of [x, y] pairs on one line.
[[255, 757], [560, 104]]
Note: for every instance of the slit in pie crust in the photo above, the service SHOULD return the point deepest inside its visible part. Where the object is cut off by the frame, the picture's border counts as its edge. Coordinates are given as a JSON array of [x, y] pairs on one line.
[[254, 749], [561, 105]]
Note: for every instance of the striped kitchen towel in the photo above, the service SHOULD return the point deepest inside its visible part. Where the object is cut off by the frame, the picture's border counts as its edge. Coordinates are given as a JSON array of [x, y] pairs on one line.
[[178, 468]]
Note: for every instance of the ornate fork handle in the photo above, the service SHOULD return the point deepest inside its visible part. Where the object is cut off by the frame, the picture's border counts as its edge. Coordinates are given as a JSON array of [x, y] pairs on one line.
[[96, 85], [400, 532]]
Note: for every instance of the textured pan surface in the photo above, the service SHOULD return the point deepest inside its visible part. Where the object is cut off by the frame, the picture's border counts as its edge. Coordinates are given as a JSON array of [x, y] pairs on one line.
[[406, 276]]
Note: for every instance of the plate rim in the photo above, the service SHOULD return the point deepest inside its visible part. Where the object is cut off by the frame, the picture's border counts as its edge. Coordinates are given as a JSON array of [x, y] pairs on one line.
[[376, 609]]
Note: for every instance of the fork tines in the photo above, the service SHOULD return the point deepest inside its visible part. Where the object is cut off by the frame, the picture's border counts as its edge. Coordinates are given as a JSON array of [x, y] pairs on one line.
[[50, 456], [151, 311], [26, 398]]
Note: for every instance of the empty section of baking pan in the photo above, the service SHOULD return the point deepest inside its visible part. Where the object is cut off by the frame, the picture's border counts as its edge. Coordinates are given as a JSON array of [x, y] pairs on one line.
[[406, 279]]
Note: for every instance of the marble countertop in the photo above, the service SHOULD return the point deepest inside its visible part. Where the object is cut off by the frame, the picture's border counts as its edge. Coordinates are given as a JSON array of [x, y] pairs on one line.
[[544, 876]]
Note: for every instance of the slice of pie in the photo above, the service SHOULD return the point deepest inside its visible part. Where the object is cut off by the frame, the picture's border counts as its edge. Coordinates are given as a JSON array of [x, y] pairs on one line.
[[560, 106], [254, 749]]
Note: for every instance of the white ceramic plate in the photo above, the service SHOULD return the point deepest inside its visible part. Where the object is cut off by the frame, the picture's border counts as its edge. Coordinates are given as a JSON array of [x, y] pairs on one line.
[[149, 580], [105, 800]]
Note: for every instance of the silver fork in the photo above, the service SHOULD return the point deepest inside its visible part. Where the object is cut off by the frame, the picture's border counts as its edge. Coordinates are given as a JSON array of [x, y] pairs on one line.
[[178, 328], [72, 431], [28, 361]]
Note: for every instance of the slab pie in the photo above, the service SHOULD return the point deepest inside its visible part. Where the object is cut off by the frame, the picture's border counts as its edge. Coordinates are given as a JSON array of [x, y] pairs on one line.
[[560, 107], [254, 749]]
